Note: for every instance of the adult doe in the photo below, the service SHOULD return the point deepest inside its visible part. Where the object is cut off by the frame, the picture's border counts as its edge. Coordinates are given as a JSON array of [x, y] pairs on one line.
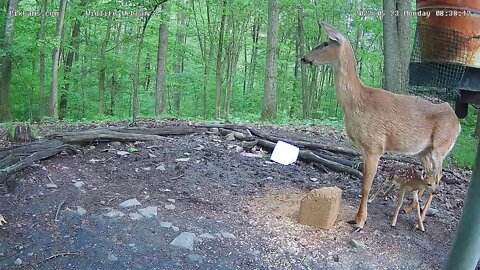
[[378, 121]]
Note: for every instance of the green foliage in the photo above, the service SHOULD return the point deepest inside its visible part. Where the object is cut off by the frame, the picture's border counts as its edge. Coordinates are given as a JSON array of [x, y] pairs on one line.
[[464, 151]]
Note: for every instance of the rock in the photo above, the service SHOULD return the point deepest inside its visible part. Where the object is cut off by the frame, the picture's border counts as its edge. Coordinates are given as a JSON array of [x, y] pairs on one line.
[[184, 240], [160, 167], [252, 155], [81, 211], [182, 159], [78, 184], [18, 261], [195, 258], [228, 235], [320, 207], [313, 179], [114, 213], [206, 236], [135, 216], [230, 137], [175, 228], [171, 200], [30, 254], [170, 206], [122, 153], [115, 144], [199, 148], [52, 185], [112, 258], [146, 168], [130, 203], [356, 244], [165, 224], [431, 212], [92, 147], [148, 212]]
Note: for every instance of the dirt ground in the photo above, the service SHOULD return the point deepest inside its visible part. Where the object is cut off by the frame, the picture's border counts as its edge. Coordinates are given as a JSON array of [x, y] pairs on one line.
[[233, 211]]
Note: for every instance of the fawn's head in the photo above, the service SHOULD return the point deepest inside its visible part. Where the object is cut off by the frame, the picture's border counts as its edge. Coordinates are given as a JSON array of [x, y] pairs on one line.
[[328, 51]]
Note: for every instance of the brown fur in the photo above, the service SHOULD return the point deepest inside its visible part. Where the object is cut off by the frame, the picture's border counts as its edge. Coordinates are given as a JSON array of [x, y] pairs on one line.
[[378, 121]]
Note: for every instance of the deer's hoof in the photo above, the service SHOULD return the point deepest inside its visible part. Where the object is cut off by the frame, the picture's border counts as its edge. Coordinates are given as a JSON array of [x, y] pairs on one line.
[[352, 222]]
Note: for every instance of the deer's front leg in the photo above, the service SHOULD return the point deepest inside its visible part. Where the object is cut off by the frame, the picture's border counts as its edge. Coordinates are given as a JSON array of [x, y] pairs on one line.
[[370, 162]]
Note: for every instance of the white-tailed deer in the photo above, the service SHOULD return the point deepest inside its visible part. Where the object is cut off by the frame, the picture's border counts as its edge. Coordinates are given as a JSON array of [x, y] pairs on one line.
[[378, 121], [410, 181]]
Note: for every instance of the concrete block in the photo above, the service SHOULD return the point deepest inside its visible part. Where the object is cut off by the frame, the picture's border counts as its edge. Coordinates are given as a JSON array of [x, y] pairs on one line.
[[320, 207]]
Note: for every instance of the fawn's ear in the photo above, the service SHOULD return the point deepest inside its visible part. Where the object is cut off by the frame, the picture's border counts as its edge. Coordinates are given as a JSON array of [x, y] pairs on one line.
[[332, 32]]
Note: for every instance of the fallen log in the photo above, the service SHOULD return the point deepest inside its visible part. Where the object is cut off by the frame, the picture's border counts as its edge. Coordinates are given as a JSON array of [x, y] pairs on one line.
[[307, 155], [21, 157], [101, 135], [162, 131]]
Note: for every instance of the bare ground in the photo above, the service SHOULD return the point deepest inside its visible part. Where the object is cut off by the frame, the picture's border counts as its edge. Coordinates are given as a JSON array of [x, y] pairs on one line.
[[217, 190]]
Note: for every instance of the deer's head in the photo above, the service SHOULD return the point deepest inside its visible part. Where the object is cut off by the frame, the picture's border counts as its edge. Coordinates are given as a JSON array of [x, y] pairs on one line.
[[328, 51]]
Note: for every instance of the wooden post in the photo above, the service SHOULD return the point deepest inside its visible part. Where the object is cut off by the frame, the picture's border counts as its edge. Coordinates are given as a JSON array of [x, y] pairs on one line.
[[465, 250]]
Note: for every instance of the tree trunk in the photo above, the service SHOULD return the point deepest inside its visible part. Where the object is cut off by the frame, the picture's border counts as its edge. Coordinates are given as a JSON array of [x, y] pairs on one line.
[[162, 63], [178, 66], [219, 67], [303, 71], [269, 110], [53, 104], [114, 84], [136, 73], [396, 42], [41, 83], [68, 68], [253, 58], [102, 71], [6, 37]]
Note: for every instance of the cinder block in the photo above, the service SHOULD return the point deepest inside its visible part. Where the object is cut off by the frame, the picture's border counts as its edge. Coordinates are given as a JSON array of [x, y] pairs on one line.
[[320, 207]]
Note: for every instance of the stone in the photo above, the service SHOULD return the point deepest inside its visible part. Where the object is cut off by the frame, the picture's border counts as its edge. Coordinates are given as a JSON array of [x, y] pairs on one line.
[[175, 228], [115, 143], [112, 258], [18, 261], [431, 212], [165, 224], [195, 258], [135, 216], [356, 244], [130, 203], [228, 235], [171, 200], [81, 211], [114, 213], [170, 207], [148, 212], [184, 240], [160, 167], [52, 185], [320, 207], [78, 184], [206, 236], [182, 159]]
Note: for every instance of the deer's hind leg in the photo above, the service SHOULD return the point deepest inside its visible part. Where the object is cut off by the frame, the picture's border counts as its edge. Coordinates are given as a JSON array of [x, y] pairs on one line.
[[420, 220]]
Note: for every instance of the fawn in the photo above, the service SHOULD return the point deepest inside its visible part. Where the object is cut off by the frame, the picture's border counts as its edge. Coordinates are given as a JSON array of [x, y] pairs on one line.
[[378, 121], [409, 181]]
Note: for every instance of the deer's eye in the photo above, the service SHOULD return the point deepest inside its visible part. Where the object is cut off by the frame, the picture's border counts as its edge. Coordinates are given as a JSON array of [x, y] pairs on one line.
[[325, 44]]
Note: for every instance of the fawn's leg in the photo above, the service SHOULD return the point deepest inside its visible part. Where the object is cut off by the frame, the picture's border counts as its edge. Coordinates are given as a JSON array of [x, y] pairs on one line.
[[378, 191], [420, 220], [427, 205], [401, 194]]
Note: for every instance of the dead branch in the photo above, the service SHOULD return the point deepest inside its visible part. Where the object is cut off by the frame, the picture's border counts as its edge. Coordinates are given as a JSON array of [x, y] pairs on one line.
[[59, 255], [101, 135], [58, 211]]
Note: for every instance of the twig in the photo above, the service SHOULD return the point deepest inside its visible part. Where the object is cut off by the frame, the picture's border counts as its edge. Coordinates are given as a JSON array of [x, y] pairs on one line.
[[59, 255], [177, 177], [58, 210], [49, 178]]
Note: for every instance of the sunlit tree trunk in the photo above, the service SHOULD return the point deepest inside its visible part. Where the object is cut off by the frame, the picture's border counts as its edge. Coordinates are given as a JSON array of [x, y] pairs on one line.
[[6, 37], [53, 104], [269, 110], [161, 63]]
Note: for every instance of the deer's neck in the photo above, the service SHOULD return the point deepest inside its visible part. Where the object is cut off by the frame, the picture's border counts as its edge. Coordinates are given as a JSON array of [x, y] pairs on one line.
[[348, 86]]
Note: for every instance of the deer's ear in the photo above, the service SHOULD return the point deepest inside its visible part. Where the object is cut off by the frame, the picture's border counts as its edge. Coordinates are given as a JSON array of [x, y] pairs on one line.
[[332, 32]]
